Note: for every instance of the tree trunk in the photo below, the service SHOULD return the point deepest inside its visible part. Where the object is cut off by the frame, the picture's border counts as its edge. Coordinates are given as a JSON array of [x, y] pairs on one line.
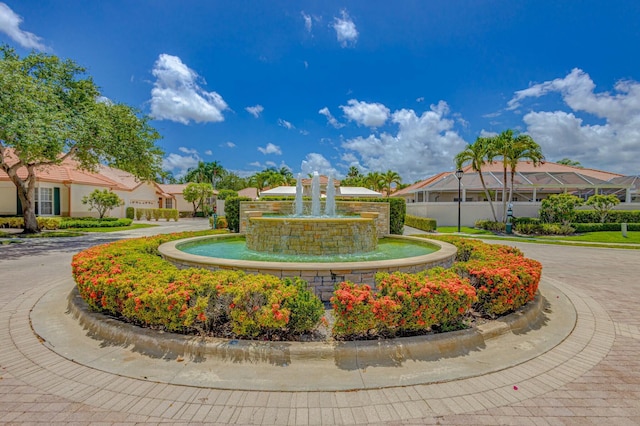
[[26, 194], [486, 193]]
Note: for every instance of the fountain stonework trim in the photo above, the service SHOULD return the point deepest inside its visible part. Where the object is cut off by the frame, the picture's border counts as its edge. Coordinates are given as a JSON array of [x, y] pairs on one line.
[[320, 236], [321, 277], [343, 208]]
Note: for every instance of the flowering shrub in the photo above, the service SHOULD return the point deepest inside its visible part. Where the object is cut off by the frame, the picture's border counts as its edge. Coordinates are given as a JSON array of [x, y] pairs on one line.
[[504, 279], [129, 279], [405, 304], [434, 297]]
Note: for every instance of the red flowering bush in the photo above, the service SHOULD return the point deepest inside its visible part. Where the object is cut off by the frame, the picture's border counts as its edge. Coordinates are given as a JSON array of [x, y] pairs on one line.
[[434, 297], [504, 279], [405, 304], [129, 279]]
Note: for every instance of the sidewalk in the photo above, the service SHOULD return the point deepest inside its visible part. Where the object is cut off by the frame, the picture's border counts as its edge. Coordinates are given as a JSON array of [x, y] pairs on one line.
[[591, 377]]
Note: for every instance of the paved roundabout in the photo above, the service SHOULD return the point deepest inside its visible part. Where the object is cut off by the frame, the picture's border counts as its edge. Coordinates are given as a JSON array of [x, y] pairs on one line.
[[579, 364]]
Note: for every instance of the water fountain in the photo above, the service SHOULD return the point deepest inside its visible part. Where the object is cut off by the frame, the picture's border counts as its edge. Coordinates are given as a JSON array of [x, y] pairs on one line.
[[344, 244]]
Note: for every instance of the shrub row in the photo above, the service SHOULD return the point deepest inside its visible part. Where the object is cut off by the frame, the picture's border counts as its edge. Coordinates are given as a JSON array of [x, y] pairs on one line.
[[51, 223], [421, 223], [110, 222], [490, 225], [503, 278], [129, 279], [544, 229], [18, 222], [157, 214], [405, 304], [490, 279], [614, 216], [596, 227]]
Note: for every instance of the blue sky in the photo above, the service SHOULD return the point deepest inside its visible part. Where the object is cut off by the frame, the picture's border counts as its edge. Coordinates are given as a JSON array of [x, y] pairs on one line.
[[376, 84]]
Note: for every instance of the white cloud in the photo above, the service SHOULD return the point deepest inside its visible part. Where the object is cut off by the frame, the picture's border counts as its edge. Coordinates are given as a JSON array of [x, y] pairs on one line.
[[188, 150], [285, 124], [315, 162], [270, 149], [612, 145], [420, 99], [208, 152], [346, 31], [423, 145], [330, 118], [177, 96], [367, 114], [230, 145], [304, 132], [255, 110], [487, 134], [307, 21], [179, 164], [10, 25]]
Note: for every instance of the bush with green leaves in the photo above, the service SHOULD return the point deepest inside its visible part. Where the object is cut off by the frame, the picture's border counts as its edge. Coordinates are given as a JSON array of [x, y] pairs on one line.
[[223, 194], [490, 225], [85, 223], [559, 208], [602, 204], [129, 279], [544, 229], [232, 212], [102, 201], [130, 212], [421, 223]]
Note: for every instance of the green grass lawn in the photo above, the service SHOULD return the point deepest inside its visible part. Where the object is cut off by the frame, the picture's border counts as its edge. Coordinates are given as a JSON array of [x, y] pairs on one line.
[[463, 229], [611, 237], [114, 228]]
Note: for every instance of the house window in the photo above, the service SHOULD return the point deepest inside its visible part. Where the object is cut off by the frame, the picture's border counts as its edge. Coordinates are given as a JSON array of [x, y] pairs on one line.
[[168, 203], [44, 201]]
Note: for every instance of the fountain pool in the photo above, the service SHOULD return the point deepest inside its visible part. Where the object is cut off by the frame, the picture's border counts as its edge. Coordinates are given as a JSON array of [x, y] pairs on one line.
[[323, 250], [321, 274]]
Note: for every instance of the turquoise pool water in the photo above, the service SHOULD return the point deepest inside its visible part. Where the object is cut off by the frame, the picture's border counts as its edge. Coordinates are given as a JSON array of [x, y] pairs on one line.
[[235, 248]]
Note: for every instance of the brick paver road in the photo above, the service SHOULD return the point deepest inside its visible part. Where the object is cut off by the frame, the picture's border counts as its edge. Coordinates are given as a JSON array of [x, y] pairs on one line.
[[593, 377]]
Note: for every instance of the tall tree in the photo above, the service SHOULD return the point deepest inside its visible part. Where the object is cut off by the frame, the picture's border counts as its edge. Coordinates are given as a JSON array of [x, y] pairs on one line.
[[205, 172], [511, 148], [197, 194], [389, 178], [50, 112], [373, 180], [476, 155], [523, 148]]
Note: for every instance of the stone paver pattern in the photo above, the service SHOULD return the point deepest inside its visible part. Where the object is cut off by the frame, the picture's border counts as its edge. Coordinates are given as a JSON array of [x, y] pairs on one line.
[[593, 377]]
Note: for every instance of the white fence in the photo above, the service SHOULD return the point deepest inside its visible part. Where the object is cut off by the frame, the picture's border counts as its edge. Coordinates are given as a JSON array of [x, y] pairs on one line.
[[446, 214]]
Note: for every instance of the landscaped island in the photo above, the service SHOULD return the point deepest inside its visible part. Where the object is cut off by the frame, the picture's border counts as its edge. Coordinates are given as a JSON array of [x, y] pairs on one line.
[[129, 280]]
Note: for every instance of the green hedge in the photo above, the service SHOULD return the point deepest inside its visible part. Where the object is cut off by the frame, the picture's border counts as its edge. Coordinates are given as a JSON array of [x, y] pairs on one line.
[[157, 214], [490, 225], [51, 223], [83, 223], [544, 229], [597, 227], [232, 212], [614, 216], [421, 223], [397, 211]]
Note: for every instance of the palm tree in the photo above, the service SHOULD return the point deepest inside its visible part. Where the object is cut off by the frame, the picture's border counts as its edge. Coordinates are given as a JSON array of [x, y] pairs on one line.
[[476, 154], [388, 178], [523, 148], [568, 162], [512, 148], [373, 180]]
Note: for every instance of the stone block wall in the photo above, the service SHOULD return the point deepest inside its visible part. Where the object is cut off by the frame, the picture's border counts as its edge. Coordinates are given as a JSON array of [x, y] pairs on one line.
[[342, 208]]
